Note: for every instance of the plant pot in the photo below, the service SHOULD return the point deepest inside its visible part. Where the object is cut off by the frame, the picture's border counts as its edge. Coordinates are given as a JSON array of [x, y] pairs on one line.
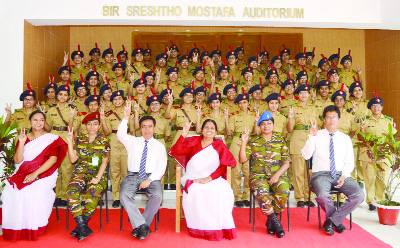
[[387, 214]]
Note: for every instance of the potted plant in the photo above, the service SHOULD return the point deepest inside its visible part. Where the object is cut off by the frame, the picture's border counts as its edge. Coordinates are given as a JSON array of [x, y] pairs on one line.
[[8, 133], [385, 147]]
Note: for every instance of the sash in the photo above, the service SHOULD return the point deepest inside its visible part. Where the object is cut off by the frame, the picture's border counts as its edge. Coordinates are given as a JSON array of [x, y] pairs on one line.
[[36, 153]]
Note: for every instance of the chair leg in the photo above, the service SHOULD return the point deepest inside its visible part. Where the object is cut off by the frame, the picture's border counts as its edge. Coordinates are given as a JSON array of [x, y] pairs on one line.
[[158, 212], [288, 215], [108, 179], [58, 216], [254, 214], [67, 216], [309, 200], [251, 202], [101, 213], [106, 202], [351, 221], [122, 213], [319, 217]]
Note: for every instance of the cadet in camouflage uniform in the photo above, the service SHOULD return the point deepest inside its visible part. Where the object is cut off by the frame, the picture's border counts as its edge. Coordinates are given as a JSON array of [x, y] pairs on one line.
[[21, 116], [90, 156], [270, 159]]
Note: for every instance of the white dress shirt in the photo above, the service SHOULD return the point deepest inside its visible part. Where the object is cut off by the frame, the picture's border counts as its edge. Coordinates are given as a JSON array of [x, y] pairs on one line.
[[318, 148], [156, 161]]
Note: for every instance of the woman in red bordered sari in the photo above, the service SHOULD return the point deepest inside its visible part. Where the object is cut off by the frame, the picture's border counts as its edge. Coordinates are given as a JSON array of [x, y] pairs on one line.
[[28, 196], [207, 197]]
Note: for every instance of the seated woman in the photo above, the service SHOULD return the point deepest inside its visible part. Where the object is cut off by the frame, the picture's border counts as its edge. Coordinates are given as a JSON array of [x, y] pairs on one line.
[[207, 198], [90, 156], [267, 179], [28, 196]]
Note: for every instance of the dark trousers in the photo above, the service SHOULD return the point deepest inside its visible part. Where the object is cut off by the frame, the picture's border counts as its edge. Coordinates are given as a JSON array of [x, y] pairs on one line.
[[129, 187], [322, 182]]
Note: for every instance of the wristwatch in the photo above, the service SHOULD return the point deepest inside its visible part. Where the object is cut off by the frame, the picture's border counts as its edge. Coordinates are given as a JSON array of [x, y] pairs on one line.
[[150, 180]]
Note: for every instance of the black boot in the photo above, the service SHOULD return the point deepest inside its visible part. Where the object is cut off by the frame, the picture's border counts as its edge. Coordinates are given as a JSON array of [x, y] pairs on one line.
[[277, 225], [79, 226], [86, 219], [270, 227], [75, 232], [83, 229]]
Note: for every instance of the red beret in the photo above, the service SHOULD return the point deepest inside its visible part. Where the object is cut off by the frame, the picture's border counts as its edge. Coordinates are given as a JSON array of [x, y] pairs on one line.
[[91, 116]]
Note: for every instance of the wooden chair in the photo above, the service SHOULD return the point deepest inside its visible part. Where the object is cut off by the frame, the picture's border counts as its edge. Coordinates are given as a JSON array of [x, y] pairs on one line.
[[178, 210]]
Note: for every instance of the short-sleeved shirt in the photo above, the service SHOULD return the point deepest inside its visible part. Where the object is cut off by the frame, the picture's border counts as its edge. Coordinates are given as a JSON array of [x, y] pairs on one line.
[[220, 120], [100, 148], [347, 77], [22, 118], [268, 156]]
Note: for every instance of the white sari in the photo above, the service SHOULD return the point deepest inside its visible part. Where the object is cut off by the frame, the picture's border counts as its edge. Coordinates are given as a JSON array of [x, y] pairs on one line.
[[26, 210]]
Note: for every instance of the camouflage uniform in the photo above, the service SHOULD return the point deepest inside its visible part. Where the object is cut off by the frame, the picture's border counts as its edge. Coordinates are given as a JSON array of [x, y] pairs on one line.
[[84, 172], [268, 156]]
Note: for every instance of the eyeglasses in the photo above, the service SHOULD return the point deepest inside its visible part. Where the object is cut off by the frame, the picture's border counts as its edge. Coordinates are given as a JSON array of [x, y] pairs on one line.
[[200, 94], [376, 106], [231, 92], [303, 92], [339, 100], [257, 93], [155, 104], [347, 62], [81, 90], [200, 74], [162, 60], [184, 62], [273, 77], [289, 87], [331, 118], [188, 95]]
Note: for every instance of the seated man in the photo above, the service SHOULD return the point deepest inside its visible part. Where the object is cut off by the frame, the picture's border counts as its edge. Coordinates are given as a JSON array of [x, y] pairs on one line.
[[333, 162], [267, 177], [144, 172]]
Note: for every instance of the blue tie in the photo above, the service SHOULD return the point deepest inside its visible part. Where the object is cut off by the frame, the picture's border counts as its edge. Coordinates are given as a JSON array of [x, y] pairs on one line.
[[142, 168], [332, 157]]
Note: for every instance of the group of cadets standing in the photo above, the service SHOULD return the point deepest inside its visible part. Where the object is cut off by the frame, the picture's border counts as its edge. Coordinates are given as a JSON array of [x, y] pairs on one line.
[[201, 85]]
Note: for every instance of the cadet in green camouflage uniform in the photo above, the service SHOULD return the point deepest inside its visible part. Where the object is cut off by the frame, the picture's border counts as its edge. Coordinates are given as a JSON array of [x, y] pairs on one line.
[[270, 160], [90, 156]]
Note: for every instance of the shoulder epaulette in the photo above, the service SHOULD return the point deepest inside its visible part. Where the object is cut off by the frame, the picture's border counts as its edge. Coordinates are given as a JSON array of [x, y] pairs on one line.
[[204, 115], [177, 107], [233, 113], [72, 106], [367, 117], [81, 113], [108, 113], [387, 117]]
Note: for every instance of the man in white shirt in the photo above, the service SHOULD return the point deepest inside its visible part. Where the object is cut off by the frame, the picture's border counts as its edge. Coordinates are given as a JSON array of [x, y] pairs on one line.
[[333, 162], [147, 160]]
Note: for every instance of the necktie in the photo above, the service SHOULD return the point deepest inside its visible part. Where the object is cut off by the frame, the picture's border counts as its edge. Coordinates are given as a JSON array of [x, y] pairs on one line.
[[142, 168], [332, 157]]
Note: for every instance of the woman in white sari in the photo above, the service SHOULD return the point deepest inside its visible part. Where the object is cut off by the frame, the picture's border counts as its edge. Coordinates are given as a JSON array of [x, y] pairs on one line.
[[28, 196], [207, 196]]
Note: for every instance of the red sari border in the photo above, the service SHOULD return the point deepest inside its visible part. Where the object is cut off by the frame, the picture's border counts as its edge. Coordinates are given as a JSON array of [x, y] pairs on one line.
[[213, 235], [27, 234]]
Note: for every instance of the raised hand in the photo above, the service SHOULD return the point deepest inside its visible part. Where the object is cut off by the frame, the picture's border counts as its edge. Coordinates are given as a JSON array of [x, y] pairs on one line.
[[158, 73], [8, 108], [22, 137], [354, 105], [257, 117], [71, 112], [70, 135], [136, 108], [363, 124], [226, 114], [198, 111], [71, 100], [102, 114], [212, 77], [132, 78], [210, 62], [245, 135], [195, 58], [313, 96], [104, 77], [259, 59], [291, 71], [358, 70], [291, 113], [42, 108], [66, 57], [169, 52], [170, 98], [318, 73], [127, 109], [314, 127], [85, 62], [186, 128]]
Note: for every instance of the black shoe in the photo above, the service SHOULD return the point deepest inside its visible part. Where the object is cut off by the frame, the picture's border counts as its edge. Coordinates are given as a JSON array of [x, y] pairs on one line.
[[340, 228], [270, 227], [75, 232], [300, 204], [361, 185], [291, 187], [87, 228], [172, 186], [239, 204], [136, 233], [83, 230], [279, 232], [246, 203], [371, 207], [63, 203], [335, 204], [340, 204], [310, 204], [116, 204], [166, 187], [57, 202], [328, 227], [144, 231]]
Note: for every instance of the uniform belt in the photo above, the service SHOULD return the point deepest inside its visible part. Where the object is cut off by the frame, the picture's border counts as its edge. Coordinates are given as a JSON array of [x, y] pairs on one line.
[[158, 136], [302, 127], [237, 134], [114, 131], [61, 129], [191, 128]]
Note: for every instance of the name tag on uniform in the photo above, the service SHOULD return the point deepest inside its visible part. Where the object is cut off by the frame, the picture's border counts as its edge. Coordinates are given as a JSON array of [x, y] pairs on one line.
[[95, 161]]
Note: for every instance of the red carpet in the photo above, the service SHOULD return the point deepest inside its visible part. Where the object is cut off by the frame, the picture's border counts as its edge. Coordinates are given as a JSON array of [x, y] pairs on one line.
[[303, 234]]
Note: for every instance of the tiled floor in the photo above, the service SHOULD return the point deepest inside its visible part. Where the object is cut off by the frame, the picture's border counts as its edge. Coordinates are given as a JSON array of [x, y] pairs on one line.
[[362, 216]]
